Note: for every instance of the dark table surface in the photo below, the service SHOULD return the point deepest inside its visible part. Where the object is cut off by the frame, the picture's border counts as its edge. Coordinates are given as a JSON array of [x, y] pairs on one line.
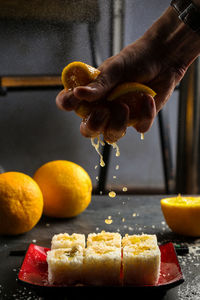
[[130, 214]]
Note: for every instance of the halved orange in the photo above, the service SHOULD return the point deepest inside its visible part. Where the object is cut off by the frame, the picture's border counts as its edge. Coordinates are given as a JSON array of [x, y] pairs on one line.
[[182, 214], [78, 74], [129, 87]]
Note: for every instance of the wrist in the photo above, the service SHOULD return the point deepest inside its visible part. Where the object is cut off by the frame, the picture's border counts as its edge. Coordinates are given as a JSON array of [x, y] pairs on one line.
[[175, 40]]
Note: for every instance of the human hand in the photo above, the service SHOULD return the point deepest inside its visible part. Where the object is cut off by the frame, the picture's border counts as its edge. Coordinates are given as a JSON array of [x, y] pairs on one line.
[[146, 61]]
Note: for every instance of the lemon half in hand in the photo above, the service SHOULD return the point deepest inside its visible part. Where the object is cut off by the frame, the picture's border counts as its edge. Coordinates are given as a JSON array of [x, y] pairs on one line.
[[78, 74], [130, 87]]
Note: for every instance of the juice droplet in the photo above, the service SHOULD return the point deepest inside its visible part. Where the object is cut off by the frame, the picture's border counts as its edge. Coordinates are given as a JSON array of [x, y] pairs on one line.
[[112, 194], [123, 219], [96, 146], [101, 142], [114, 177], [96, 167], [142, 136], [124, 189], [115, 146], [97, 178], [108, 221], [117, 167]]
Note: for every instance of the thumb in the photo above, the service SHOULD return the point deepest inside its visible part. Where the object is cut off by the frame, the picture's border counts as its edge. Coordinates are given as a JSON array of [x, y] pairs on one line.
[[110, 76], [94, 90]]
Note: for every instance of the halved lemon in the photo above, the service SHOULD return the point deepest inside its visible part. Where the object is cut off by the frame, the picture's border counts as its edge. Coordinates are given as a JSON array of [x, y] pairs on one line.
[[129, 87], [78, 74], [182, 214]]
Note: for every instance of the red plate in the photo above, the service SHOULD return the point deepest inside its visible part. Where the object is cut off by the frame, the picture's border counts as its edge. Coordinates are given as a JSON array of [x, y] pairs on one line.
[[34, 269]]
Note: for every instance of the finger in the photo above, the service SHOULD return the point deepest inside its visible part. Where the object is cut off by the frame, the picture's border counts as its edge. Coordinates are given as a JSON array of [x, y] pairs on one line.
[[118, 122], [143, 112], [110, 76], [96, 121], [67, 101]]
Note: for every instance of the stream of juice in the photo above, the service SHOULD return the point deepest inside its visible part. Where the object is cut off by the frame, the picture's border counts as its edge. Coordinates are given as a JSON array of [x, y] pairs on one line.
[[96, 145]]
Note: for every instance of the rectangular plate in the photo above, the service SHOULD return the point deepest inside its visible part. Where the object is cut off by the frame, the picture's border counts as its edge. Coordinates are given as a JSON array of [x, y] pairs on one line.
[[34, 269]]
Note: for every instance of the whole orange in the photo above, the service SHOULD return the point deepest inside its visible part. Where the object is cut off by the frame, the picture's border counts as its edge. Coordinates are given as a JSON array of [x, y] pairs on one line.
[[66, 188], [21, 203]]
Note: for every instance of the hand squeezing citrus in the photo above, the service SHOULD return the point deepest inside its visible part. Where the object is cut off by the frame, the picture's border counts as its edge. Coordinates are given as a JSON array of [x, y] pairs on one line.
[[182, 214], [80, 74]]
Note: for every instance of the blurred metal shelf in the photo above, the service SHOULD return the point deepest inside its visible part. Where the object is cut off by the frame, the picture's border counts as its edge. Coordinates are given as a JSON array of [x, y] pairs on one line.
[[28, 81], [21, 83]]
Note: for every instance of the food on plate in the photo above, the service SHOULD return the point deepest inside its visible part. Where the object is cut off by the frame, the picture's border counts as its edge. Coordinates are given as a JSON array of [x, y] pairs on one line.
[[141, 260], [64, 240], [107, 260], [138, 240], [104, 238], [101, 265], [65, 265]]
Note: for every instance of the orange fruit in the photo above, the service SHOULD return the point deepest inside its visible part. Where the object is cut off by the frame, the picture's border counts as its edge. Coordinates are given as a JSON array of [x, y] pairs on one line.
[[129, 87], [78, 73], [66, 188], [182, 214], [21, 203]]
